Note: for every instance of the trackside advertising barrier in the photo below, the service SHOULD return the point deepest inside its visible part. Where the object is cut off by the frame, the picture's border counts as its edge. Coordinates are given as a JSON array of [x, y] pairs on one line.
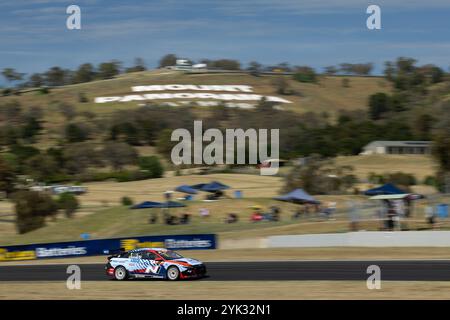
[[106, 246]]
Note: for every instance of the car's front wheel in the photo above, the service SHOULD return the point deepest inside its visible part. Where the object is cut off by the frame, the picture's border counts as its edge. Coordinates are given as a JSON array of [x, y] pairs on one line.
[[173, 273], [120, 273]]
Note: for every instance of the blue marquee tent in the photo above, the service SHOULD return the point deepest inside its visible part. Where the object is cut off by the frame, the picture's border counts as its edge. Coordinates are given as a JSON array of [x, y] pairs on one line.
[[210, 187], [172, 204], [153, 204], [387, 188], [186, 189], [298, 196]]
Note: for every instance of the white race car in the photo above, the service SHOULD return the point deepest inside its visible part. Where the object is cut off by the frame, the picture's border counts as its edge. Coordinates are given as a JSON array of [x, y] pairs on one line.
[[153, 263]]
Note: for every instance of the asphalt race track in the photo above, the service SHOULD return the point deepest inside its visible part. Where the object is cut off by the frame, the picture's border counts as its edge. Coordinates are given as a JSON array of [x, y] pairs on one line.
[[401, 270]]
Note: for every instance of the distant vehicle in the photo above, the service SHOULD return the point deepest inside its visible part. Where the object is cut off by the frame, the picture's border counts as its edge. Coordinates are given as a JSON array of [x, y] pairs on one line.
[[268, 163], [156, 263], [69, 189]]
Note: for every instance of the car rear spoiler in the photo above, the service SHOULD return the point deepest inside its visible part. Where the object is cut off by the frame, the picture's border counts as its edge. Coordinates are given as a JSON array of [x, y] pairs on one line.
[[114, 252]]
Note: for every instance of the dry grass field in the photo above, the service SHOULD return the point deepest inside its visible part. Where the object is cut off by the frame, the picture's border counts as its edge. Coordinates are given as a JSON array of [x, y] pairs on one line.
[[260, 290], [101, 214], [420, 166], [327, 95], [111, 192]]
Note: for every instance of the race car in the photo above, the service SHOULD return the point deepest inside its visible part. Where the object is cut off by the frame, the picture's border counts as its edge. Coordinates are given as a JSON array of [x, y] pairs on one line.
[[157, 263]]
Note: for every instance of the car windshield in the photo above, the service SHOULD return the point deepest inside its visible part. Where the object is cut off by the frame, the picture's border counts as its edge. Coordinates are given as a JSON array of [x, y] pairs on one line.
[[169, 255]]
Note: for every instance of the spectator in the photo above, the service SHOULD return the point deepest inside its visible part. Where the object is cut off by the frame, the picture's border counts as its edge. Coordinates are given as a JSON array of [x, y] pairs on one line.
[[297, 214], [170, 219], [275, 211], [231, 218], [430, 216], [153, 218], [185, 217], [256, 216], [204, 213]]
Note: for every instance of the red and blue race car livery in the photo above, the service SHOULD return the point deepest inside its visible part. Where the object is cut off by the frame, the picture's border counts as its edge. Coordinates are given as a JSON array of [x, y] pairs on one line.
[[157, 263]]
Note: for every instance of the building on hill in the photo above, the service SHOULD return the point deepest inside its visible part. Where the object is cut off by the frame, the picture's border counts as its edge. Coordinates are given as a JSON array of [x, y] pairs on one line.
[[187, 65], [397, 147]]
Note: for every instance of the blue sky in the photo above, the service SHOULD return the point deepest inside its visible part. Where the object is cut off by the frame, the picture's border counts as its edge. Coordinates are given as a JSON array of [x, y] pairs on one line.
[[33, 34]]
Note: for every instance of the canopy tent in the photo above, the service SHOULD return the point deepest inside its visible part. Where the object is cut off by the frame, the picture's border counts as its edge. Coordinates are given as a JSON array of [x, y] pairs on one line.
[[298, 196], [213, 186], [172, 204], [405, 196], [153, 204], [388, 188], [146, 205], [186, 189]]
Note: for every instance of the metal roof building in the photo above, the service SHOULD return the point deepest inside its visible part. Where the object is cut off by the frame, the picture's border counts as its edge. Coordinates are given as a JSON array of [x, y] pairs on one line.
[[397, 147]]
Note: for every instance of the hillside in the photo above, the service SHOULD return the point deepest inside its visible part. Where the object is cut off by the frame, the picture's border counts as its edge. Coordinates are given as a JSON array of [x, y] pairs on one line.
[[328, 95]]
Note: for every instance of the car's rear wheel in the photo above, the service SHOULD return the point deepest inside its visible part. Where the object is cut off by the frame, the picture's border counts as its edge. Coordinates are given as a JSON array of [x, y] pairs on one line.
[[173, 273], [120, 273]]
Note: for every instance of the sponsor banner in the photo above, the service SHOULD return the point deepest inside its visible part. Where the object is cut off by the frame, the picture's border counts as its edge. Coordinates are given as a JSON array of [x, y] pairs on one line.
[[106, 246]]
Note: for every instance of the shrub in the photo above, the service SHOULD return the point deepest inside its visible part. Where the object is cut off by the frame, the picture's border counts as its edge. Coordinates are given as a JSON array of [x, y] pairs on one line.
[[127, 201], [69, 203], [401, 178], [430, 181], [43, 90], [152, 165], [31, 209], [82, 98], [305, 74]]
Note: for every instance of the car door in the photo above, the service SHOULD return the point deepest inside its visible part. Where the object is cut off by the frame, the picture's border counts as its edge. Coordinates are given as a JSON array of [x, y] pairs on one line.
[[153, 267], [134, 264]]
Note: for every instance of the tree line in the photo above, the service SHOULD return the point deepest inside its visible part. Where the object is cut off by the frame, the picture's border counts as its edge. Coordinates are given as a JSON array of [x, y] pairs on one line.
[[86, 72]]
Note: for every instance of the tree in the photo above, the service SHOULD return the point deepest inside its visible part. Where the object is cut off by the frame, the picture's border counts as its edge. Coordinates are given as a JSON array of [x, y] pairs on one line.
[[225, 64], [7, 178], [433, 73], [139, 65], [85, 73], [168, 60], [76, 133], [55, 76], [36, 80], [152, 165], [305, 74], [163, 143], [119, 154], [441, 144], [23, 152], [41, 167], [31, 210], [108, 70], [69, 203], [378, 104], [31, 128], [282, 86], [67, 110], [319, 176], [254, 68], [422, 126], [331, 70], [389, 70], [79, 156], [12, 75]]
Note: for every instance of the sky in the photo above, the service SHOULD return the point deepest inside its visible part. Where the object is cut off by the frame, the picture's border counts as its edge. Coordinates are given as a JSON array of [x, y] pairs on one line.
[[318, 33]]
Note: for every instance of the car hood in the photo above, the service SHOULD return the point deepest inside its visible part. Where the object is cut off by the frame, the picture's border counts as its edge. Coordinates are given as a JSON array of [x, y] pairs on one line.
[[189, 261]]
